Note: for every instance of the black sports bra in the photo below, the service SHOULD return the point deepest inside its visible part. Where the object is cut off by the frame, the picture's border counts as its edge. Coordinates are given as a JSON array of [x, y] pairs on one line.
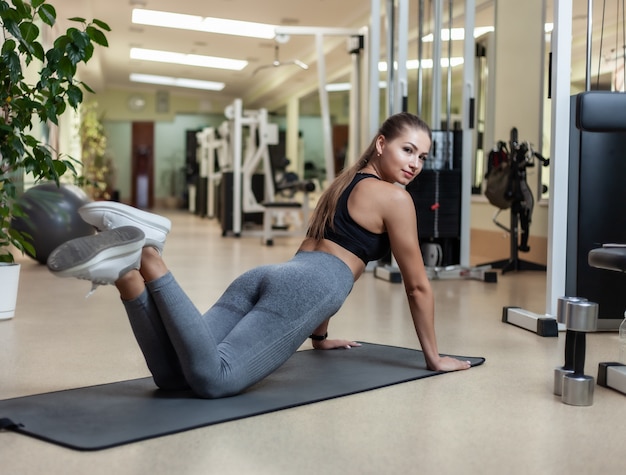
[[346, 232]]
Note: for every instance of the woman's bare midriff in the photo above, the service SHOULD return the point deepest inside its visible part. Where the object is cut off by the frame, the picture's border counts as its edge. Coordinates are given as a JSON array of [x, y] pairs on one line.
[[355, 264]]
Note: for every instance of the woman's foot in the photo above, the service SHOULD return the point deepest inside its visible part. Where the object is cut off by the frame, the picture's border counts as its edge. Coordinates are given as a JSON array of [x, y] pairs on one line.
[[105, 215], [101, 258]]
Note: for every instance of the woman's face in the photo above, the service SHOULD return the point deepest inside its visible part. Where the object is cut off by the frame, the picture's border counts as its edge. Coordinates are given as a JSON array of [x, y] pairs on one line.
[[402, 158]]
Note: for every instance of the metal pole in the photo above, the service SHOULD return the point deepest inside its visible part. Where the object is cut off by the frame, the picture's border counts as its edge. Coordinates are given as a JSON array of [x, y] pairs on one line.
[[237, 159], [373, 73], [391, 52], [403, 42], [449, 81], [468, 119], [542, 96], [325, 109], [435, 122], [559, 153], [589, 42], [420, 56], [354, 132]]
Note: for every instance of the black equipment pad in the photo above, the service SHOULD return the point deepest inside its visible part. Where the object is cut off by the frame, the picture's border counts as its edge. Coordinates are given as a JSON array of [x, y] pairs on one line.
[[610, 258], [601, 111]]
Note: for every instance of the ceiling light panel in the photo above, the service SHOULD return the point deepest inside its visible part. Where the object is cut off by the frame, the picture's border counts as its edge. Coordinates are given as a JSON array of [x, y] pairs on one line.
[[177, 82], [206, 24], [187, 59]]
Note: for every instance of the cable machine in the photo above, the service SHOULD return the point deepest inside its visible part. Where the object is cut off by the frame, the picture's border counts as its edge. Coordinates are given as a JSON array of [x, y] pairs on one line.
[[213, 157], [356, 43], [441, 193], [247, 162]]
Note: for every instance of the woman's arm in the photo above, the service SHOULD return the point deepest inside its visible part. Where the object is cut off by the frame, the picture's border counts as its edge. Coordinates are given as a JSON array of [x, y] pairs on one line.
[[401, 224]]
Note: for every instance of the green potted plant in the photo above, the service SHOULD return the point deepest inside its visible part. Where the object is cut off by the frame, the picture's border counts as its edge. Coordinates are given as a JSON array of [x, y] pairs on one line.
[[97, 165], [38, 82]]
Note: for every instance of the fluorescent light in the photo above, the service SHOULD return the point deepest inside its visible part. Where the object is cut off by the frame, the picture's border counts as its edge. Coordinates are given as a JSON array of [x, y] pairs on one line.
[[178, 82], [338, 87], [206, 24], [426, 63], [187, 59], [346, 86], [458, 34]]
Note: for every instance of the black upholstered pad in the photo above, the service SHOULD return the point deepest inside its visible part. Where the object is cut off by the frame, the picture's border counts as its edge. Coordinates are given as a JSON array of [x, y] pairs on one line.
[[601, 111], [611, 258], [99, 417]]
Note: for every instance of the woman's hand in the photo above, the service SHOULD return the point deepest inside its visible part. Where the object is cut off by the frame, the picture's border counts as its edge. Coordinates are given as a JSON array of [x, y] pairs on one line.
[[446, 363], [334, 344]]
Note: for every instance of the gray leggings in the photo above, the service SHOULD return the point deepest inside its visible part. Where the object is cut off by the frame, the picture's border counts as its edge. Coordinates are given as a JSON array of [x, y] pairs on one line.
[[255, 326]]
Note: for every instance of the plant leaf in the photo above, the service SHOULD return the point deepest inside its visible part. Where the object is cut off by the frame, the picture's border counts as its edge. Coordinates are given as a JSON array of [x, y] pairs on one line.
[[38, 51], [8, 45], [101, 24], [48, 14], [87, 88], [12, 25], [30, 32], [21, 8], [60, 167], [87, 53], [97, 36], [14, 66], [74, 96]]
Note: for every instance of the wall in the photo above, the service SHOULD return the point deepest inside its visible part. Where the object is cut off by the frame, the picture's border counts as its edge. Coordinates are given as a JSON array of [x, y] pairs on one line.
[[169, 149], [183, 113]]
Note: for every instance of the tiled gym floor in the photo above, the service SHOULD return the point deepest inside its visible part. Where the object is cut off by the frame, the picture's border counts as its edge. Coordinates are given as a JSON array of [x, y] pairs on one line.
[[497, 418]]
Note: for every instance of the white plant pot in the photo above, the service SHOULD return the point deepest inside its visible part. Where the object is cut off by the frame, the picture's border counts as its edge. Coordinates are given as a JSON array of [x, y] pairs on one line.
[[9, 279]]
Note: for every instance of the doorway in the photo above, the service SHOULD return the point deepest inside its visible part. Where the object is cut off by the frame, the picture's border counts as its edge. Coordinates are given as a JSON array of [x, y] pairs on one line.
[[340, 146], [142, 163]]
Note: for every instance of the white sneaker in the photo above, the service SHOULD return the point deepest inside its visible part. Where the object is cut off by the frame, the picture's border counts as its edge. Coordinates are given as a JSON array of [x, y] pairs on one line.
[[111, 214], [101, 258]]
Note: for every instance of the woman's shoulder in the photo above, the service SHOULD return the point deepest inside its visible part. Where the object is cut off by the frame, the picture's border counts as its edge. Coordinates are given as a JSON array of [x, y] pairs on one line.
[[389, 190], [383, 198]]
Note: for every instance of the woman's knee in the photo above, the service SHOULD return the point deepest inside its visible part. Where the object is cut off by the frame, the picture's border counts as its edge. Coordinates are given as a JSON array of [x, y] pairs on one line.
[[211, 386], [171, 384], [213, 390]]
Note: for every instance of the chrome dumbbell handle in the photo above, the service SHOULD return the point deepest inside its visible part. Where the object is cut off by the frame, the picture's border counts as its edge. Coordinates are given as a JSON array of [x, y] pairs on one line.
[[577, 389]]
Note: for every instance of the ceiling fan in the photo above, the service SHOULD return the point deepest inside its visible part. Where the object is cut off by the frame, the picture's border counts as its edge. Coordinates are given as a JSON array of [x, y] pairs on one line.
[[278, 63]]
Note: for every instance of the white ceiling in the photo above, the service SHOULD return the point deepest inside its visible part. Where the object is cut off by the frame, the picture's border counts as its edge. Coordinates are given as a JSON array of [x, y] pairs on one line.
[[111, 66]]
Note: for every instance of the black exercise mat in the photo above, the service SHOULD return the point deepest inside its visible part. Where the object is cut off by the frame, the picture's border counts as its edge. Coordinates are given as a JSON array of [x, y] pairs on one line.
[[98, 417]]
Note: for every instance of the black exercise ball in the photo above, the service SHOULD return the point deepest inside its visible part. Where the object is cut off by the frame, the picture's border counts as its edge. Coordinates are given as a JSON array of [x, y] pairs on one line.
[[51, 217]]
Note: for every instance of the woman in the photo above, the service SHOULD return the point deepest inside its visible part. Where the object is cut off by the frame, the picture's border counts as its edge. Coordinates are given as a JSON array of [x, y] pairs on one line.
[[268, 312]]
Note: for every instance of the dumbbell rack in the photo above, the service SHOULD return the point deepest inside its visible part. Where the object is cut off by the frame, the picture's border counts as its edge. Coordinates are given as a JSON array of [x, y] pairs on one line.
[[542, 325]]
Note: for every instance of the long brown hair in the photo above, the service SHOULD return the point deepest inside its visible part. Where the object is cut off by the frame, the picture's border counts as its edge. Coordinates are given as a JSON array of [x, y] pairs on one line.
[[324, 212]]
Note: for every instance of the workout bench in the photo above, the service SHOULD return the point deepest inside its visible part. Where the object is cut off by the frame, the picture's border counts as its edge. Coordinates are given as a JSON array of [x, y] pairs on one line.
[[272, 208], [610, 257]]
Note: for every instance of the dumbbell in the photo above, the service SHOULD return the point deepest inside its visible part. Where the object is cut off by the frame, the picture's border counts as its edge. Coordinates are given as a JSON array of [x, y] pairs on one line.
[[563, 305], [577, 389]]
